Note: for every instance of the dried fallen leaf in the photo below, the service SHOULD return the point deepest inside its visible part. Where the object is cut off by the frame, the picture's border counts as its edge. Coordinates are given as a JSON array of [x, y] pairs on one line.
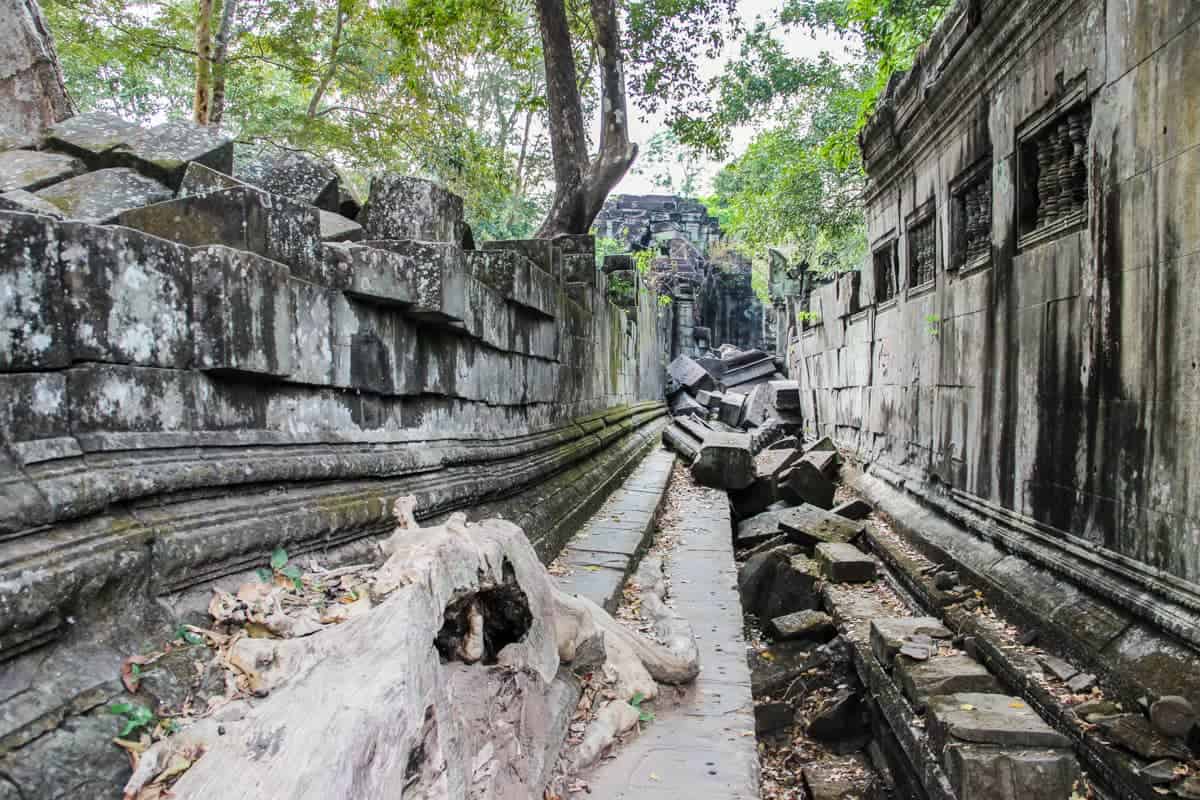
[[967, 707]]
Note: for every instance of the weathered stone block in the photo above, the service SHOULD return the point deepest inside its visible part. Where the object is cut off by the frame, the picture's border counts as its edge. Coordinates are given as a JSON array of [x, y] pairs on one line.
[[427, 279], [199, 179], [803, 482], [241, 304], [808, 526], [844, 563], [28, 203], [517, 278], [336, 228], [773, 716], [32, 314], [888, 634], [825, 461], [785, 395], [684, 404], [312, 333], [747, 373], [31, 170], [103, 195], [980, 772], [942, 675], [732, 407], [690, 375], [854, 509], [108, 402], [374, 349], [400, 207], [294, 176], [91, 136], [708, 399], [995, 719], [808, 624], [756, 576], [164, 151], [541, 252], [11, 139], [724, 461], [245, 219], [33, 418], [129, 296]]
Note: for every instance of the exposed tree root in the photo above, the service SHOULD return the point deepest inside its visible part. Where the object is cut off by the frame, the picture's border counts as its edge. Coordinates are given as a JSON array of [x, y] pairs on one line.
[[442, 689]]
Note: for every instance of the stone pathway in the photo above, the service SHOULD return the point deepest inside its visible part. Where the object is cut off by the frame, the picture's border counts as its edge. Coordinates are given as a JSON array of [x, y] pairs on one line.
[[701, 743], [607, 549]]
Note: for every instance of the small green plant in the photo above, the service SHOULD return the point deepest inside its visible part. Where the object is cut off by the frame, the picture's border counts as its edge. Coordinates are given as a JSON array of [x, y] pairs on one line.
[[280, 566], [664, 300], [644, 715], [183, 634], [643, 260], [934, 323], [134, 717], [808, 317]]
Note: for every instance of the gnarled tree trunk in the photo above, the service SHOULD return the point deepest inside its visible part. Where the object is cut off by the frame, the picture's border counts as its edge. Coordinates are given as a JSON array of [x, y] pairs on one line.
[[32, 93], [582, 182]]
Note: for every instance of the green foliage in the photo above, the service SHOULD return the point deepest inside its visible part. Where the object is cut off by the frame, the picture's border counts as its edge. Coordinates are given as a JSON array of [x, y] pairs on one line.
[[661, 158], [133, 716], [183, 634], [933, 323], [643, 262], [607, 247]]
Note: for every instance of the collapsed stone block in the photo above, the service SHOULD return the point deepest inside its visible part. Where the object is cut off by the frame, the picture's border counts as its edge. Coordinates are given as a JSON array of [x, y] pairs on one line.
[[31, 170], [980, 772], [102, 196], [91, 136], [854, 509], [732, 407], [995, 719], [243, 218], [199, 179], [942, 675], [888, 634], [773, 716], [336, 228], [826, 461], [756, 576], [29, 203], [684, 404], [757, 407], [164, 151], [785, 395], [690, 375], [807, 624], [844, 563], [242, 308], [724, 461], [33, 317], [807, 525], [129, 296], [295, 176], [708, 399], [516, 278], [755, 498], [804, 482], [746, 373], [402, 207]]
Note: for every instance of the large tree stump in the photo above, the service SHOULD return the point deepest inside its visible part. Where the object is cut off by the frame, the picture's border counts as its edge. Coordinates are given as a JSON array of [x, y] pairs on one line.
[[445, 689]]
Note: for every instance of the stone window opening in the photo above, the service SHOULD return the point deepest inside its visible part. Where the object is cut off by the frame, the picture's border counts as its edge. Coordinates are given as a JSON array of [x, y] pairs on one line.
[[1052, 197], [971, 221], [922, 246], [886, 270]]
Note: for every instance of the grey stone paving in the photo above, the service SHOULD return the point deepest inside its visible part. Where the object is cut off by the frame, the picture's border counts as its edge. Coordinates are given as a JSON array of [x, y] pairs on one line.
[[701, 744], [608, 546]]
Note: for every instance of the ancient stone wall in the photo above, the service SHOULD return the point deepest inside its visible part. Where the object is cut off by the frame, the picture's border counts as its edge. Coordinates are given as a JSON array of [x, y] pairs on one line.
[[1021, 345], [195, 371]]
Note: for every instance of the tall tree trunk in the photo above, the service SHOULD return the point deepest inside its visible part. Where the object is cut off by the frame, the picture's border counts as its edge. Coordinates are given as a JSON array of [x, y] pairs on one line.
[[221, 59], [32, 92], [335, 44], [202, 103], [583, 183]]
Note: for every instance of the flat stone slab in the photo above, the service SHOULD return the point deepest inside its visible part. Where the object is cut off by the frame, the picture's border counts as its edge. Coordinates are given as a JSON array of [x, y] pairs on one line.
[[981, 772], [808, 624], [28, 203], [31, 170], [807, 525], [996, 719], [844, 563], [853, 509], [942, 675], [888, 634], [164, 151], [90, 136], [103, 195]]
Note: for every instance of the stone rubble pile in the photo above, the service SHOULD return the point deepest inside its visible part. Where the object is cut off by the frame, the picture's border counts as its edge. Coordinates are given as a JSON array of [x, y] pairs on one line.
[[726, 408]]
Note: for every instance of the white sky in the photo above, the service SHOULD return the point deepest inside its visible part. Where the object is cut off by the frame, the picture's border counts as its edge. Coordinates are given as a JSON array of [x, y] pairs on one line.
[[641, 128]]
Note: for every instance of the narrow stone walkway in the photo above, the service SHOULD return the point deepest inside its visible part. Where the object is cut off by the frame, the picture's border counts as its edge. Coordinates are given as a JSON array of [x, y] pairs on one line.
[[606, 550], [701, 743]]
